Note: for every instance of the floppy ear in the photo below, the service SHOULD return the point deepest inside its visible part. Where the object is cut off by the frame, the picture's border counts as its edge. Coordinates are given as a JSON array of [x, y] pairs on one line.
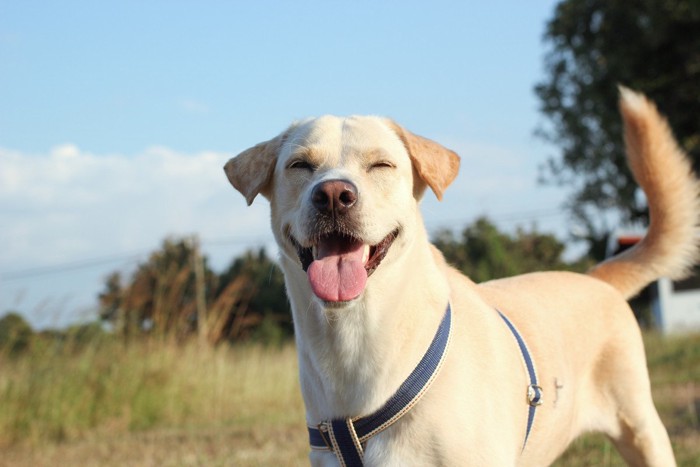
[[251, 171], [436, 165]]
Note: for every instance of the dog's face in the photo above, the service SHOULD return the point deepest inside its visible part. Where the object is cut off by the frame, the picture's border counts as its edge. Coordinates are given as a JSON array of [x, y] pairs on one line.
[[344, 195]]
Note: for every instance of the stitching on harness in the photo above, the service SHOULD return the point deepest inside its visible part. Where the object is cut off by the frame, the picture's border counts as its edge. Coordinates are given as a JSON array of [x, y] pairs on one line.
[[418, 396], [355, 439]]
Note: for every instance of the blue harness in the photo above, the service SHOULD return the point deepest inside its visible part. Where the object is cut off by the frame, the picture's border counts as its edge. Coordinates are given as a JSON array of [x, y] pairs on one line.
[[534, 391], [346, 437]]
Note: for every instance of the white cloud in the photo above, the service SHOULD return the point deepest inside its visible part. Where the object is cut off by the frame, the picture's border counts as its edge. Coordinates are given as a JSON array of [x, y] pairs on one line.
[[69, 204]]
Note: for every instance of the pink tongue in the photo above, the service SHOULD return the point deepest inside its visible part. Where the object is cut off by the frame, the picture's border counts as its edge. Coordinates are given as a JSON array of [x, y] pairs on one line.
[[338, 275]]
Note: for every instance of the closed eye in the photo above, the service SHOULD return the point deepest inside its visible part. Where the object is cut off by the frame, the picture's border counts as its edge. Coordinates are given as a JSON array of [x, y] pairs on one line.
[[301, 164], [382, 165]]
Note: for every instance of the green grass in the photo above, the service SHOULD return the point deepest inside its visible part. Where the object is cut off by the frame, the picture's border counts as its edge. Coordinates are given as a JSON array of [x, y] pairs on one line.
[[159, 404]]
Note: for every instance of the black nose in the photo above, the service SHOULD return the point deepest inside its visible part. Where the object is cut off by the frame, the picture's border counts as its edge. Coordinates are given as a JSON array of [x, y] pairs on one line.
[[334, 196]]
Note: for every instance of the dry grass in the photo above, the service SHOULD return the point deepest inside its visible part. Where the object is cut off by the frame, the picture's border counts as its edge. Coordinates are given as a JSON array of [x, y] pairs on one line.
[[151, 404], [148, 404]]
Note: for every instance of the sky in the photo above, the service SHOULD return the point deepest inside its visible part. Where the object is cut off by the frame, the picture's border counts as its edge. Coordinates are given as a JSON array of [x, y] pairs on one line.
[[117, 117]]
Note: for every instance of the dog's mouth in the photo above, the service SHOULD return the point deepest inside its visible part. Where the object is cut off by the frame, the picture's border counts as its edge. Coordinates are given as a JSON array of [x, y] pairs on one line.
[[338, 265]]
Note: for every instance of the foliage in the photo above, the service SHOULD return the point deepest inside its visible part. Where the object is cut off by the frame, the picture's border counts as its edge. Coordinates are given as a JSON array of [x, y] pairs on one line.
[[161, 295], [269, 315], [162, 298], [650, 45], [15, 333], [85, 334], [484, 253]]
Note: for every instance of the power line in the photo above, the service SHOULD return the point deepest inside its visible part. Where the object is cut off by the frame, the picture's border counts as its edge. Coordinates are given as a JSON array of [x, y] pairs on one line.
[[521, 216], [80, 264], [102, 260]]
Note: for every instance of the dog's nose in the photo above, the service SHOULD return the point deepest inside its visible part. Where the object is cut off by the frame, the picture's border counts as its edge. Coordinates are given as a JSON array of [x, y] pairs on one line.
[[334, 196]]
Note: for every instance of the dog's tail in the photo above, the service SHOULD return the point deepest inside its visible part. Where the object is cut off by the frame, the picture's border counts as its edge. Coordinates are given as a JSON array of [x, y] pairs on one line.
[[662, 169]]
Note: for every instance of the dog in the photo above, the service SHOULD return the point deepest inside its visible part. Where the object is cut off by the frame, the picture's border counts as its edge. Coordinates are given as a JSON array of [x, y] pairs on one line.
[[524, 364]]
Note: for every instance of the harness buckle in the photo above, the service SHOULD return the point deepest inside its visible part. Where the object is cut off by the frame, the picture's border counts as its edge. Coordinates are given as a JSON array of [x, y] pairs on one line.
[[534, 395], [323, 430]]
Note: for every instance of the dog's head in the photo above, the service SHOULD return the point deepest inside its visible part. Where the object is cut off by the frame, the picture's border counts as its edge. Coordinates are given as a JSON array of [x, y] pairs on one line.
[[344, 195]]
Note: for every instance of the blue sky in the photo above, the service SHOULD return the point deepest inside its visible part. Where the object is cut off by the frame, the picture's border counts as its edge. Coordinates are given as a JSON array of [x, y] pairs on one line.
[[121, 76], [117, 117]]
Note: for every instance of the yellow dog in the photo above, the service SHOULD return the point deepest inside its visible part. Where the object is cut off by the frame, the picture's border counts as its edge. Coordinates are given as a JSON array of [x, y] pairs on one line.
[[368, 293]]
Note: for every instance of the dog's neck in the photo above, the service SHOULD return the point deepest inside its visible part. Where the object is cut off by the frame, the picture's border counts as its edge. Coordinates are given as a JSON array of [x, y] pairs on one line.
[[353, 358]]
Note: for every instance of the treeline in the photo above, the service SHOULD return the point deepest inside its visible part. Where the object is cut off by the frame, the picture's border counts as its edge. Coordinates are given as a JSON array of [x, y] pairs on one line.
[[175, 295], [483, 252], [18, 337]]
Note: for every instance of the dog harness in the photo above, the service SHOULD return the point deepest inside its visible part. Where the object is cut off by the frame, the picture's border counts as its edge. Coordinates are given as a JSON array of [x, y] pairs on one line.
[[534, 391], [346, 437]]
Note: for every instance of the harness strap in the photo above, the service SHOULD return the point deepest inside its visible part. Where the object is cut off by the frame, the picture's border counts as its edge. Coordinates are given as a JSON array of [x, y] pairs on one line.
[[345, 443], [346, 437], [534, 391]]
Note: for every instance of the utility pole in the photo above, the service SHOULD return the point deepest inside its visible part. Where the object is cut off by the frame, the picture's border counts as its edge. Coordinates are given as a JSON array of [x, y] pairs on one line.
[[200, 292]]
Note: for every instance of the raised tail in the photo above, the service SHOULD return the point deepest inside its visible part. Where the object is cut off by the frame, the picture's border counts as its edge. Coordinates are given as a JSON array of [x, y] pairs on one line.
[[664, 171]]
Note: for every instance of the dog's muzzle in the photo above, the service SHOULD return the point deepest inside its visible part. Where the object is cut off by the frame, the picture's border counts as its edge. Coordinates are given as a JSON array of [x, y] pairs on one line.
[[336, 259]]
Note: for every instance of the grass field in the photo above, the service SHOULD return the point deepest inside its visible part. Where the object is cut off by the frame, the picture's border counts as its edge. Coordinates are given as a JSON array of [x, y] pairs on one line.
[[108, 404]]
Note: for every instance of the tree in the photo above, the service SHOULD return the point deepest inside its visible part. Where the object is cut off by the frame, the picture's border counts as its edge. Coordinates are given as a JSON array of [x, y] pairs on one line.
[[649, 45], [15, 333], [161, 296], [484, 253], [176, 295], [269, 313]]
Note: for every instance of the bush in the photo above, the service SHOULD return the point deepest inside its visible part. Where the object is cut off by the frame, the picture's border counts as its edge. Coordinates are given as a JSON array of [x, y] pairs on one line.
[[15, 334]]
